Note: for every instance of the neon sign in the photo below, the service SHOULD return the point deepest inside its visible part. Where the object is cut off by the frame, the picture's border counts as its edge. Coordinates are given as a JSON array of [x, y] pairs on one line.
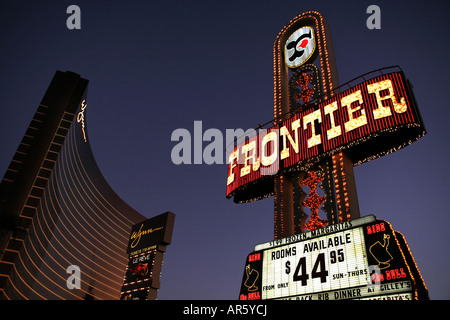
[[146, 248], [317, 135], [80, 118], [373, 118]]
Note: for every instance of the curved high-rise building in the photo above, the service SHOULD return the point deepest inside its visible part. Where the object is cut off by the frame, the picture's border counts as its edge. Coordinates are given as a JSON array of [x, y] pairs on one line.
[[58, 214]]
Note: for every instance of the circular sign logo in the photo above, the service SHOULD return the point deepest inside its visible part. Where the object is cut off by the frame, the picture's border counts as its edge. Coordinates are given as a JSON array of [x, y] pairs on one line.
[[299, 47]]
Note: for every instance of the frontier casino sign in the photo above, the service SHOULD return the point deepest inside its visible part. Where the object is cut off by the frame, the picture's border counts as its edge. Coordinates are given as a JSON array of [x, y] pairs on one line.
[[369, 120]]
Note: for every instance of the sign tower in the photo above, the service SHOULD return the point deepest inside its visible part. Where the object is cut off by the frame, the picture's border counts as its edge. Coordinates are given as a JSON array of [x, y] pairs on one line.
[[320, 131], [297, 82]]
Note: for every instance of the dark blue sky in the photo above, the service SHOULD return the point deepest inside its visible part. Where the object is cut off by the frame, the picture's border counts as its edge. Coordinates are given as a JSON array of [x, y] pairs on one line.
[[158, 66]]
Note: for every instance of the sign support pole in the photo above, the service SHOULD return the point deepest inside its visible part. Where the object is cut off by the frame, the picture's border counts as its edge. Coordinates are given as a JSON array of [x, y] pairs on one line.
[[347, 199], [288, 199]]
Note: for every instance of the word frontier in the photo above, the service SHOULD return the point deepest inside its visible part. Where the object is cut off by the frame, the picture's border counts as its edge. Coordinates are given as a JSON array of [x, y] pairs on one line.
[[369, 108]]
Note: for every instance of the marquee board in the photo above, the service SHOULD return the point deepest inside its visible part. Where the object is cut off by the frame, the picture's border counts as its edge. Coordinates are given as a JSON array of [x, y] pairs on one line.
[[359, 259]]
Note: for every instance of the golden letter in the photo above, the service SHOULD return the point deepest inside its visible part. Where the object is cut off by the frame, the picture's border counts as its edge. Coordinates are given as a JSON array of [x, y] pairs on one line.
[[267, 161], [334, 131], [285, 133], [354, 123], [246, 150], [233, 156], [384, 111]]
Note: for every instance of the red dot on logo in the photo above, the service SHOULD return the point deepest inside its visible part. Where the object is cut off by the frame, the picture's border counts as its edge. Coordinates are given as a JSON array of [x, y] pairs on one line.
[[303, 44]]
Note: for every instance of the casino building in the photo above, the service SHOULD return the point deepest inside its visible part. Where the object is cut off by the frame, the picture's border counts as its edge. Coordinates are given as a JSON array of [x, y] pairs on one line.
[[58, 211]]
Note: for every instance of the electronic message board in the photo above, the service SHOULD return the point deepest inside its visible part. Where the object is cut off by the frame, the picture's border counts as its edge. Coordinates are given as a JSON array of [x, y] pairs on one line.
[[139, 276], [358, 259], [146, 248]]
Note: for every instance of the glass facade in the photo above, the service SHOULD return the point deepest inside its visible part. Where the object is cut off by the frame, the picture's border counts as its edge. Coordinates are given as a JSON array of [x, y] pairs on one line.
[[65, 212]]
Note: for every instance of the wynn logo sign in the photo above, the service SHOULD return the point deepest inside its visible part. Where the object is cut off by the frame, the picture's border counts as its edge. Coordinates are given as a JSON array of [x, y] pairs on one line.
[[146, 248]]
